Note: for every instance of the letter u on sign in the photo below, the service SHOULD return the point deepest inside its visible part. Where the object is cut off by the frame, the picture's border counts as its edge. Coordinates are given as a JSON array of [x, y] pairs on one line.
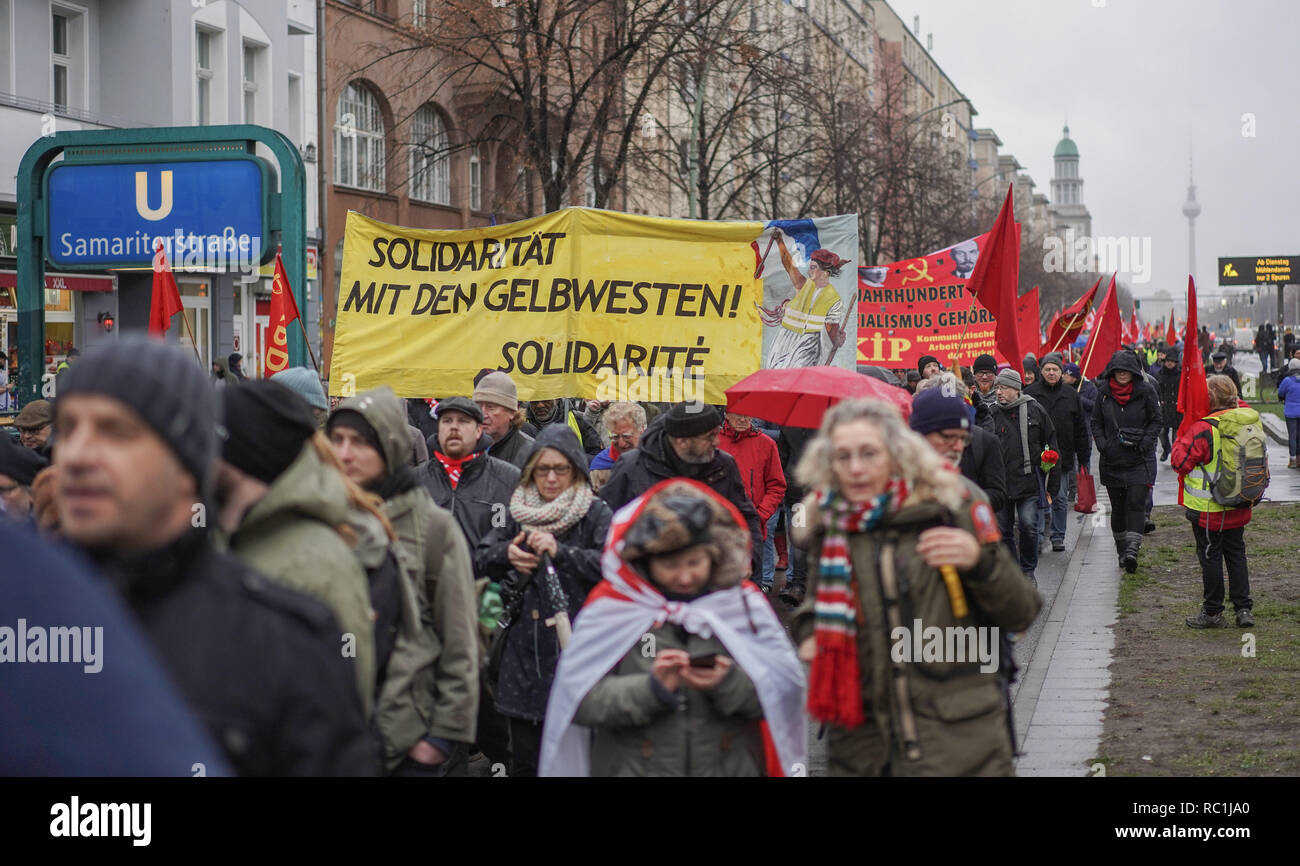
[[142, 196]]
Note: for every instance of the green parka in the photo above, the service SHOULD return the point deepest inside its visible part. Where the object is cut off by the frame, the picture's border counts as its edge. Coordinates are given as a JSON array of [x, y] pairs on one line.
[[289, 536], [954, 713], [441, 573]]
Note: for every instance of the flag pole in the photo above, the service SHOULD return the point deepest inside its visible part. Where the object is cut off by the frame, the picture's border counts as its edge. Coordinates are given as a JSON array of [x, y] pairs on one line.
[[301, 326], [961, 341], [1083, 370], [193, 342]]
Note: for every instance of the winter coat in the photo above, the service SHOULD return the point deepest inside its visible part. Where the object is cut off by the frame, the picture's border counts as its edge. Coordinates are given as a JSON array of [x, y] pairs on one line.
[[645, 466], [1066, 411], [1088, 399], [122, 698], [446, 701], [982, 463], [289, 536], [1139, 423], [419, 416], [532, 649], [1005, 425], [760, 470], [1288, 391], [513, 447], [1167, 382], [960, 713], [483, 492], [591, 441], [641, 729], [790, 444], [258, 663], [1193, 449], [1229, 371]]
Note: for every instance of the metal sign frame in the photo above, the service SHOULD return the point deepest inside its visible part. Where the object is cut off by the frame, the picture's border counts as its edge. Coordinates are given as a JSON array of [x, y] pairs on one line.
[[286, 211]]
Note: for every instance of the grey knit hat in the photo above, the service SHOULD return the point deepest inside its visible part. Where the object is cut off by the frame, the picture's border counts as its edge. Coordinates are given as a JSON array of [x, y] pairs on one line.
[[164, 386], [305, 383], [497, 387], [1010, 378], [1053, 358]]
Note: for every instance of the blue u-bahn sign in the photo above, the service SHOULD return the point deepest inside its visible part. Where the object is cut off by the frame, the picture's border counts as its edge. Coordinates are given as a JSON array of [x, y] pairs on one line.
[[208, 214]]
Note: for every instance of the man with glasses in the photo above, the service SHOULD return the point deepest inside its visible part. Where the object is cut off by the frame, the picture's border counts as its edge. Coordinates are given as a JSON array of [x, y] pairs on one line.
[[496, 396], [624, 422], [34, 424], [941, 413], [683, 443]]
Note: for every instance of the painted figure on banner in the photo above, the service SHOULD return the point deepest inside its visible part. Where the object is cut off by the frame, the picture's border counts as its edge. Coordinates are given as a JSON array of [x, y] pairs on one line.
[[810, 327]]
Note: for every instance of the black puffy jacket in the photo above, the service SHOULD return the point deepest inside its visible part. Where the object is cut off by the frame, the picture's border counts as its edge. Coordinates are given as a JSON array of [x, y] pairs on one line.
[[1066, 411], [1167, 381], [482, 493], [532, 649], [1005, 425], [982, 463], [1138, 423], [259, 664], [645, 466]]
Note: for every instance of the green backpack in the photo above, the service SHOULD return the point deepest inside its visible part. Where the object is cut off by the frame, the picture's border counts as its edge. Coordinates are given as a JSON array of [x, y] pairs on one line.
[[1242, 475]]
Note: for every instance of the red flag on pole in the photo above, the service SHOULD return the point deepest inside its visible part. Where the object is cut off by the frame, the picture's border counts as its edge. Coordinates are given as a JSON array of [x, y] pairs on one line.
[[284, 310], [1027, 313], [1067, 326], [1171, 336], [1104, 340], [1133, 331], [995, 282], [165, 301], [1193, 391]]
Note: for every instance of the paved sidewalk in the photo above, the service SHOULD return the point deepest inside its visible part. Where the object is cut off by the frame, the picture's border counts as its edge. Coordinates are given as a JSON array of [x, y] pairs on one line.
[[1061, 702]]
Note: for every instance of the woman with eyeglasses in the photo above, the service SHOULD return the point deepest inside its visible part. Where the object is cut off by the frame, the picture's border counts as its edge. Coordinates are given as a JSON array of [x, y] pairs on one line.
[[902, 547], [624, 424], [546, 557]]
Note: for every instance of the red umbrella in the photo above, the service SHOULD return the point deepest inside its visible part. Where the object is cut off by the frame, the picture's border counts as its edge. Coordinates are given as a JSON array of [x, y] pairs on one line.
[[799, 396]]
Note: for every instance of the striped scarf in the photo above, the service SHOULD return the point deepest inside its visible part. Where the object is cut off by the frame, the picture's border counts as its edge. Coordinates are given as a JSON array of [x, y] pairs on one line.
[[834, 688], [453, 466]]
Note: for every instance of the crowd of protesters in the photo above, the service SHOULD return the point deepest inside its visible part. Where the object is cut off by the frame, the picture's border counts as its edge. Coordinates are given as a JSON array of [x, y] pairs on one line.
[[394, 586]]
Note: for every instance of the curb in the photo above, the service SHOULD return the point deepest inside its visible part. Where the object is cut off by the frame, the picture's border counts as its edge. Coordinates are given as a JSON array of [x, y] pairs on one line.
[[1268, 428]]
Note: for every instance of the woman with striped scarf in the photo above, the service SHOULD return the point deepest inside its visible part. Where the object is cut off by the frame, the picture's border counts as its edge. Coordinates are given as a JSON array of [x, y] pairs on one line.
[[910, 592]]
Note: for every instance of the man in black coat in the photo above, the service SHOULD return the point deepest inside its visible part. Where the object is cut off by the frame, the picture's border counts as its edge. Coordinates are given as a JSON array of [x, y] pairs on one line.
[[1025, 431], [1167, 379], [462, 477], [259, 665], [1221, 367], [497, 398], [683, 443], [1066, 411]]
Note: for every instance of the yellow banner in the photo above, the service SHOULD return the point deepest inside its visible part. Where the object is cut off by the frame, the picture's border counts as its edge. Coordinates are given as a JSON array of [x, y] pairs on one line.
[[579, 302]]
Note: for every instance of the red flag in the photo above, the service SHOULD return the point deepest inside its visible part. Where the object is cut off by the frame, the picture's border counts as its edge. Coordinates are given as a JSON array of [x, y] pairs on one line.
[[1067, 326], [165, 301], [284, 310], [1027, 313], [1193, 390], [995, 282], [1104, 340], [1171, 336], [1133, 331]]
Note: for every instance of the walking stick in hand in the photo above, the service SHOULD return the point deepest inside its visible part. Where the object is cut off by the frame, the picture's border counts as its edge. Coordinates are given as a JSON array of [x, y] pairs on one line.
[[559, 601]]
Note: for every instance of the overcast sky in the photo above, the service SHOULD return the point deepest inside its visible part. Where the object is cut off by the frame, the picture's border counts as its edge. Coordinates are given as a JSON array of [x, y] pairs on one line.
[[1140, 80]]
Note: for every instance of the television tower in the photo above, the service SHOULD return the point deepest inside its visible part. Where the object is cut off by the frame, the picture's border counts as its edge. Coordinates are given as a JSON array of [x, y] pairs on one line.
[[1191, 210]]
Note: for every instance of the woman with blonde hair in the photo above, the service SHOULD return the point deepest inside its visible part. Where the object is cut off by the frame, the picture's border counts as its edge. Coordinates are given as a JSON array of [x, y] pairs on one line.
[[900, 542]]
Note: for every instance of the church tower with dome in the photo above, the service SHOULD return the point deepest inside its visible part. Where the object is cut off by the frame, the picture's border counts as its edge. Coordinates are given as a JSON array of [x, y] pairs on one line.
[[1067, 211]]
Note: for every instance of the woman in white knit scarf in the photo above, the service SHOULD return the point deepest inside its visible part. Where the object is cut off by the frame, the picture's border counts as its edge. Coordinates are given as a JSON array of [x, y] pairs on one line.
[[545, 554]]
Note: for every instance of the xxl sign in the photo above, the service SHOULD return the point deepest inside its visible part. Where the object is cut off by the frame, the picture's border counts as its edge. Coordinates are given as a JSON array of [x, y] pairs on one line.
[[1261, 269], [207, 214]]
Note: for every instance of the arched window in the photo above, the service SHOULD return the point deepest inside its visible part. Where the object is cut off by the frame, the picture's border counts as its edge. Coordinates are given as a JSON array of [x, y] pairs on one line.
[[475, 181], [359, 139], [430, 164]]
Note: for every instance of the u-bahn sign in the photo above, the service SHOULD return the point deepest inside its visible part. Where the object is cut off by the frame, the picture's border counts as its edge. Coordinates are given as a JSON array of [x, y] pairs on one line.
[[209, 214], [1250, 271]]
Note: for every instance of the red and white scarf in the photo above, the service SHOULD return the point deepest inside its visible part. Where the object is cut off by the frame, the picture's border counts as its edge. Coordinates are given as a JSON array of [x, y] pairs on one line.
[[453, 466], [624, 606]]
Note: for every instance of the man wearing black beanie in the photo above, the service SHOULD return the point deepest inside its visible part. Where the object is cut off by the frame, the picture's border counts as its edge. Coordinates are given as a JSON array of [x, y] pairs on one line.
[[258, 664], [683, 443], [281, 504], [18, 469]]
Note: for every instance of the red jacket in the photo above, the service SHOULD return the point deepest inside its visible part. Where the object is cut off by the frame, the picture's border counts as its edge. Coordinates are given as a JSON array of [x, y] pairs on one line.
[[1195, 448], [760, 469]]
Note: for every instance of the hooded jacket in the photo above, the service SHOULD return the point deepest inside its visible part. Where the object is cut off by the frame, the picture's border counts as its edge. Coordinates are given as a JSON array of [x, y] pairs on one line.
[[1137, 423], [1061, 401], [289, 536], [444, 702], [483, 491], [532, 649], [1167, 382], [645, 466], [760, 470], [259, 664], [959, 711]]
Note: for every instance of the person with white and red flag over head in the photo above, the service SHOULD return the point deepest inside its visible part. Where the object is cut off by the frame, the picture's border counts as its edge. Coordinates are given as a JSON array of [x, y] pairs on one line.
[[677, 666]]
